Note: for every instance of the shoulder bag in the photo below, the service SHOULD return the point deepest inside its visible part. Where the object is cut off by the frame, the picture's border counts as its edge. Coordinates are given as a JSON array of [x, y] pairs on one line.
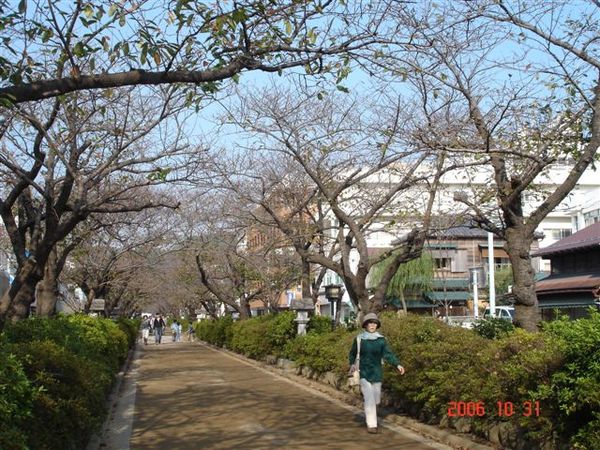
[[354, 379]]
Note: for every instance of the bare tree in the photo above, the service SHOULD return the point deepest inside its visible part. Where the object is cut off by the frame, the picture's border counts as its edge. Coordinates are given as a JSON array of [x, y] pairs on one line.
[[524, 82], [234, 270], [88, 157], [359, 164], [115, 251]]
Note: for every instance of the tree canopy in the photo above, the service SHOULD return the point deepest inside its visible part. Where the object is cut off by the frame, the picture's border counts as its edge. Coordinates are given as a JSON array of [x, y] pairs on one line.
[[53, 48]]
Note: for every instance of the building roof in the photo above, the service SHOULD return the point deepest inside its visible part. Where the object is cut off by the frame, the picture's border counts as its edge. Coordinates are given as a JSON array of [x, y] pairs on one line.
[[588, 237], [461, 231], [587, 282]]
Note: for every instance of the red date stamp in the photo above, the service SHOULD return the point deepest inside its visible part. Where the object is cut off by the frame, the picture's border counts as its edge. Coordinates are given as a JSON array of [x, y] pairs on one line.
[[501, 409]]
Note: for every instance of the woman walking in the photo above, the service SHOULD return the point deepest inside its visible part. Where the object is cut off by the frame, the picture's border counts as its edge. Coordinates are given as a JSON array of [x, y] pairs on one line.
[[373, 348]]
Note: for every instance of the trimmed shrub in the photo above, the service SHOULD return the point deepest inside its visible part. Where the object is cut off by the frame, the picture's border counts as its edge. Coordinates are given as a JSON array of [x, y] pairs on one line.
[[575, 386], [322, 352], [281, 328], [493, 327], [69, 404], [249, 337], [69, 363], [436, 358], [216, 331], [258, 337], [96, 339], [319, 325], [131, 328], [16, 400]]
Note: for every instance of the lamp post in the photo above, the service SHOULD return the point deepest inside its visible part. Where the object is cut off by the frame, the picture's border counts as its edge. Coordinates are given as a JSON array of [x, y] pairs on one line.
[[333, 293]]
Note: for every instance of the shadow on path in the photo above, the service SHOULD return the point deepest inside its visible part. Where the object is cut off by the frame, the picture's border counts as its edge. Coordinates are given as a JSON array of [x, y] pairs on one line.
[[190, 396]]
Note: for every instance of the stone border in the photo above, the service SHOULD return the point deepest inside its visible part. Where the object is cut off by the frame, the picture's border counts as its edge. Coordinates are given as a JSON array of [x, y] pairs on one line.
[[116, 429], [330, 386]]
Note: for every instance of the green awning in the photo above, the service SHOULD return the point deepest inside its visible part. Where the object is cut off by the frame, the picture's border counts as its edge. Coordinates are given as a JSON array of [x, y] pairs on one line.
[[450, 296], [450, 283], [418, 304], [410, 304]]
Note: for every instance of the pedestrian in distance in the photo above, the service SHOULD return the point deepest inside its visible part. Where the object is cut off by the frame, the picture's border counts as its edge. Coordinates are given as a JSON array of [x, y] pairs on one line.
[[191, 333], [373, 349], [146, 325], [178, 331], [158, 325], [174, 331]]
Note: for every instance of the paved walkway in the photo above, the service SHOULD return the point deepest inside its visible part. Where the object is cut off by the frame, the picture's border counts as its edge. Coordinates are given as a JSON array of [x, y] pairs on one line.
[[191, 396]]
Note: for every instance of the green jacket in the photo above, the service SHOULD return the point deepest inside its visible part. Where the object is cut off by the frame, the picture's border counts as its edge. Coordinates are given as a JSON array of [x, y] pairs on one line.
[[371, 354]]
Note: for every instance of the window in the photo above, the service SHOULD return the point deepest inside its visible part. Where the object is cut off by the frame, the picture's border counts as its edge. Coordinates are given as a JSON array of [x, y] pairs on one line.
[[591, 217], [443, 263], [500, 263], [559, 233]]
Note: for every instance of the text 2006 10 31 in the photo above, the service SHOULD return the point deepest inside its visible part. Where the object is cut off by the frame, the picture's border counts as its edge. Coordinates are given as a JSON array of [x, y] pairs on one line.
[[500, 409]]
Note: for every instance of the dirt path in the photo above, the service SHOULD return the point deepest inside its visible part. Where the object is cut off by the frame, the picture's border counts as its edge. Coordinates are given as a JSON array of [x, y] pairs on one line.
[[190, 396]]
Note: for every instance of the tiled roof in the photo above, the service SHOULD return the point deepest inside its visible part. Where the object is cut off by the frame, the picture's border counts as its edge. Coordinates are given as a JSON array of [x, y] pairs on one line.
[[586, 238], [461, 231]]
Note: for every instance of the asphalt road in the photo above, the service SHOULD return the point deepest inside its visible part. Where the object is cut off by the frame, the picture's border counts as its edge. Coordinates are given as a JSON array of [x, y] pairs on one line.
[[191, 396]]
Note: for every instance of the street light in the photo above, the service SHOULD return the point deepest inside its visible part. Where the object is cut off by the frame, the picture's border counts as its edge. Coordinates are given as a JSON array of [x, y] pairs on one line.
[[333, 293]]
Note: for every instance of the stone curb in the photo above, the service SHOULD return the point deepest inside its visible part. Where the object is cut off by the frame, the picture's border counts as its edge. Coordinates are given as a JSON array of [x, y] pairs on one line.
[[98, 439], [456, 441]]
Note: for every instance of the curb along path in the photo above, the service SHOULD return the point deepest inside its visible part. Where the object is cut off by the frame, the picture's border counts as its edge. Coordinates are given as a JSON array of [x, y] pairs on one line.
[[191, 396]]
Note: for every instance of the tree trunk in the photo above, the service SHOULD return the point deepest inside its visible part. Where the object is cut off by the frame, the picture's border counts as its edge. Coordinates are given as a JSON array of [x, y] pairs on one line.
[[47, 290], [16, 302], [518, 244], [91, 295], [244, 310], [47, 297], [403, 300], [306, 295]]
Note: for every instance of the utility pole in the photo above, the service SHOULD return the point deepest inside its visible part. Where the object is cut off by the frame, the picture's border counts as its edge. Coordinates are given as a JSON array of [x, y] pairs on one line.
[[492, 286]]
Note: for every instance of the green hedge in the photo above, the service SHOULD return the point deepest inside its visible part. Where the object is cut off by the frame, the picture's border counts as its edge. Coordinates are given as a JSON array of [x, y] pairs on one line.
[[256, 337], [558, 368], [322, 352], [216, 331], [60, 372], [575, 387], [16, 401]]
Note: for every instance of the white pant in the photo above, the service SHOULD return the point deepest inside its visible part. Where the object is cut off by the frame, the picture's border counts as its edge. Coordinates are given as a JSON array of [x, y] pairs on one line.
[[372, 395]]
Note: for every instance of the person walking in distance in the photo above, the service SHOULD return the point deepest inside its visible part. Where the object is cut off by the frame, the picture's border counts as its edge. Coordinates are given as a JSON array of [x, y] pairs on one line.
[[191, 332], [158, 325], [178, 331], [146, 325], [174, 331], [369, 348]]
